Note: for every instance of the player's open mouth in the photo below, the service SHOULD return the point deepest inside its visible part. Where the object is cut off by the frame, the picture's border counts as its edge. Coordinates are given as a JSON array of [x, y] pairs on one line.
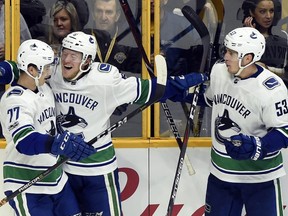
[[67, 67], [48, 77]]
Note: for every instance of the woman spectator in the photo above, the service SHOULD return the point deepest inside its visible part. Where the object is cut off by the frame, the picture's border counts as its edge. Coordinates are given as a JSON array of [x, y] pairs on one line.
[[64, 20], [261, 14]]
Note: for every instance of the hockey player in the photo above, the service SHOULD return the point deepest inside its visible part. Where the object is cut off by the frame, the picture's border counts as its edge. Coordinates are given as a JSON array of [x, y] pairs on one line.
[[86, 95], [28, 118], [248, 99]]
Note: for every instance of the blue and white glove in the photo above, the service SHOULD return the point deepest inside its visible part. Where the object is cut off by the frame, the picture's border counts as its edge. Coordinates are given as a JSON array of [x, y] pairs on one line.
[[177, 88], [71, 146], [243, 147]]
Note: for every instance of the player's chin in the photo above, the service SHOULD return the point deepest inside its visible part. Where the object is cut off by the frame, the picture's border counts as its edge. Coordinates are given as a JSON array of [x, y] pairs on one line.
[[67, 75], [230, 70]]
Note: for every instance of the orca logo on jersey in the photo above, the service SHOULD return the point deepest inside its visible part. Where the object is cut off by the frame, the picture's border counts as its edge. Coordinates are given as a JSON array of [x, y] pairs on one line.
[[271, 83], [52, 130], [225, 127], [105, 68], [70, 119]]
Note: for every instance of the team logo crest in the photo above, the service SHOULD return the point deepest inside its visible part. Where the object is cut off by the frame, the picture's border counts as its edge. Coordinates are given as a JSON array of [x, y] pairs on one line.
[[271, 83], [225, 127], [253, 35], [15, 91], [105, 68], [52, 130], [33, 47], [70, 119]]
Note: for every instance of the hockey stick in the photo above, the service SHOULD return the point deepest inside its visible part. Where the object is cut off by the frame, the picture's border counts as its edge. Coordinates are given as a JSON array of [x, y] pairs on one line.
[[137, 20], [195, 20], [212, 57], [161, 68], [137, 36]]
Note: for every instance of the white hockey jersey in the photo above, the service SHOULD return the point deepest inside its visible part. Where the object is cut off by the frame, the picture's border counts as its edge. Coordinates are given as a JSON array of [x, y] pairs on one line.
[[250, 106], [84, 107], [22, 113]]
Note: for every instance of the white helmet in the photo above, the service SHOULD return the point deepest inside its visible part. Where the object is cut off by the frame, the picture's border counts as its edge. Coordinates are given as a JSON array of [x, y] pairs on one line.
[[34, 52], [246, 40], [81, 42]]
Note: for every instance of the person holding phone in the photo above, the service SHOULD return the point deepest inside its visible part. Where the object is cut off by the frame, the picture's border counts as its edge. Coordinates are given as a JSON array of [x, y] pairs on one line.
[[262, 15]]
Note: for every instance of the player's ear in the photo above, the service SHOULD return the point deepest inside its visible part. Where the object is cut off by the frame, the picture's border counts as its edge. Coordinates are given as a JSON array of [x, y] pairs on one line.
[[248, 58], [31, 69], [87, 62]]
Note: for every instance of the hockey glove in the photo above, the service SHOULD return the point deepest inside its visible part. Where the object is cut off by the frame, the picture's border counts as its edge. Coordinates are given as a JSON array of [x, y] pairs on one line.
[[177, 88], [71, 146], [243, 147], [201, 98]]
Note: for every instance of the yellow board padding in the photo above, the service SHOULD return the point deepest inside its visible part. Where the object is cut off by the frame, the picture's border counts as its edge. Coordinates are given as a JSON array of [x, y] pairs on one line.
[[147, 143]]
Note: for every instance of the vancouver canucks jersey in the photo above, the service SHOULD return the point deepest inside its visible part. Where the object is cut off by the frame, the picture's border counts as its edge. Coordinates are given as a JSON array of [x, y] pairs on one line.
[[24, 112], [250, 106], [84, 107]]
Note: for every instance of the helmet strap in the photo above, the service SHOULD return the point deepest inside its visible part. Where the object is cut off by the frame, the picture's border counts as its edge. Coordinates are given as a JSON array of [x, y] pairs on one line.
[[81, 71], [242, 67], [38, 77], [36, 81]]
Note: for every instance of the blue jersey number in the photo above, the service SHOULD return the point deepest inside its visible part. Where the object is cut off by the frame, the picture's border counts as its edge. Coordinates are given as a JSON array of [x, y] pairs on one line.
[[14, 113], [281, 107]]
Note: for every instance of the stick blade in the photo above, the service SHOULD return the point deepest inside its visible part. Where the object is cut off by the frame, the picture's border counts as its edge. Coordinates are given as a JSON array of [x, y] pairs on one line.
[[202, 30], [161, 68], [195, 20]]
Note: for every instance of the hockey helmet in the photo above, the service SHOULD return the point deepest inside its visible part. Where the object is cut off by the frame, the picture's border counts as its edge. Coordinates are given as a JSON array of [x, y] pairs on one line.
[[245, 40], [81, 42], [34, 52]]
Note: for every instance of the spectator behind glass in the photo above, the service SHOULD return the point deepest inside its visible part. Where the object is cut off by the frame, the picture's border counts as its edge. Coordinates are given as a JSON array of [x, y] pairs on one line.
[[106, 15], [64, 20], [261, 14]]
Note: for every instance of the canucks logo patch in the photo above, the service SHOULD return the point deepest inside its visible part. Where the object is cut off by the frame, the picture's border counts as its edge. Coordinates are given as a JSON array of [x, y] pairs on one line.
[[105, 68], [15, 92], [271, 83]]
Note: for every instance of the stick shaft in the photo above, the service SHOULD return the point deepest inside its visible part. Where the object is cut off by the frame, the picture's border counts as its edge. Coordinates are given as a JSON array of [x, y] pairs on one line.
[[194, 19]]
